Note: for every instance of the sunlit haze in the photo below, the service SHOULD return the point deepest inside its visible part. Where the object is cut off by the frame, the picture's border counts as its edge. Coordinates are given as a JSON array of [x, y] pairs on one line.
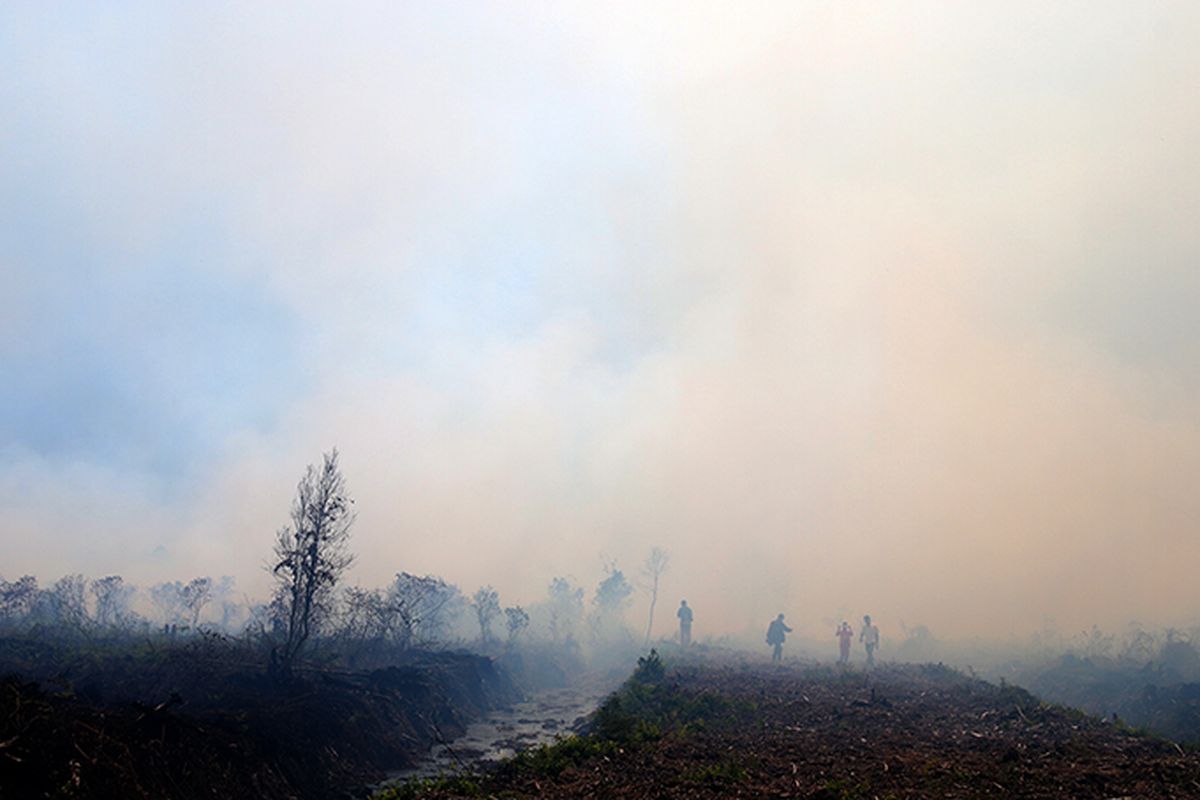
[[850, 307]]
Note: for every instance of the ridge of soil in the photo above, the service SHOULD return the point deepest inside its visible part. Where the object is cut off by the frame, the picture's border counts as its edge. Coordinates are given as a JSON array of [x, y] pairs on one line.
[[746, 729], [191, 724]]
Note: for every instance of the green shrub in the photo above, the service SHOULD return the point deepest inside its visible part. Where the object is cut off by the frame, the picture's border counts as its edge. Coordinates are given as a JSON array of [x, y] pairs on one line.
[[460, 785], [650, 669], [553, 759]]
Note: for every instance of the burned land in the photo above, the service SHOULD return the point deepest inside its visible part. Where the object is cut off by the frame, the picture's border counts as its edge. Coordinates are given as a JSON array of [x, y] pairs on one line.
[[745, 729], [328, 690], [201, 720], [197, 720]]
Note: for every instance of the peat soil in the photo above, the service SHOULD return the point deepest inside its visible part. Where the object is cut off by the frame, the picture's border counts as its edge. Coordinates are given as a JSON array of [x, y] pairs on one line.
[[194, 721], [753, 729]]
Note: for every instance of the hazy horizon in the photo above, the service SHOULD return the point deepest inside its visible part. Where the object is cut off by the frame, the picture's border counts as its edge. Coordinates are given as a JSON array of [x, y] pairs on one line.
[[851, 308]]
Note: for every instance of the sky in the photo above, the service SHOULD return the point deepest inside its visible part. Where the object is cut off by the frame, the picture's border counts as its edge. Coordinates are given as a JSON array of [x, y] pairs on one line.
[[881, 308]]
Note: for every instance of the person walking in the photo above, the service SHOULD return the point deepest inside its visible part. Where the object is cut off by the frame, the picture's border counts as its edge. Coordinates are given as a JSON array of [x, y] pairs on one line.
[[844, 635], [685, 624], [777, 632], [869, 636]]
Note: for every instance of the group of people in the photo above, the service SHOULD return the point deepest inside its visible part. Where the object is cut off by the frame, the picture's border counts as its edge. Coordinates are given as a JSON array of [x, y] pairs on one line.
[[778, 630], [869, 636]]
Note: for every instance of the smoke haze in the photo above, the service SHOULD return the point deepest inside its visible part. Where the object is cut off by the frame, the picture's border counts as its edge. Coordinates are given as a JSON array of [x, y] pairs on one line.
[[852, 309]]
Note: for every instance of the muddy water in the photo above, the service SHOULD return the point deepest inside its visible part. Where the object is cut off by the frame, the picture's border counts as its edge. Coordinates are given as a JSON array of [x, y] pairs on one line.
[[541, 719]]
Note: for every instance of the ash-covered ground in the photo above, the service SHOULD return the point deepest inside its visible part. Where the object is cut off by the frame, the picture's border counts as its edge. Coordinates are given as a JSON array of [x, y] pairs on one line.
[[739, 728]]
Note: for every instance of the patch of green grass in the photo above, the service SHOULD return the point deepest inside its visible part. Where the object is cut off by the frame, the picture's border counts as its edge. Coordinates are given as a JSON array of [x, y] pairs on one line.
[[649, 669], [460, 785], [552, 759], [647, 708]]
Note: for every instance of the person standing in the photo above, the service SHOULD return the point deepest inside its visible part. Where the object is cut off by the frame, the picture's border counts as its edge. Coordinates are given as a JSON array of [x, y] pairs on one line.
[[844, 635], [869, 636], [685, 624], [777, 632]]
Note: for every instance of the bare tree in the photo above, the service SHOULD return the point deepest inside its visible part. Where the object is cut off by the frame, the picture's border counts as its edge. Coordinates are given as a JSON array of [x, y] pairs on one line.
[[368, 621], [167, 597], [112, 599], [231, 609], [17, 598], [609, 602], [425, 605], [487, 607], [68, 601], [311, 554], [652, 570], [564, 603], [516, 619], [362, 615], [194, 597]]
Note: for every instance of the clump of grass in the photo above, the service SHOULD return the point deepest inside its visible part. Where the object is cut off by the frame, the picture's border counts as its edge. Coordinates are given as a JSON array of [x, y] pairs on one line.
[[649, 707], [719, 774], [553, 759], [457, 785], [649, 669], [939, 671], [1010, 695]]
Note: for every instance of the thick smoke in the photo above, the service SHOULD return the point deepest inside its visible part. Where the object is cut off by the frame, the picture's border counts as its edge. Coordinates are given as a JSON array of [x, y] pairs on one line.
[[850, 310]]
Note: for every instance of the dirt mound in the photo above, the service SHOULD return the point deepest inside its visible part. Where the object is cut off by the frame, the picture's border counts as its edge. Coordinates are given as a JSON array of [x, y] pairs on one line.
[[1157, 695], [210, 731], [755, 730]]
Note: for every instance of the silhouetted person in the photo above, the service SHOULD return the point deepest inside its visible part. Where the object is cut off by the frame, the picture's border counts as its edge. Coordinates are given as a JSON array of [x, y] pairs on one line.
[[869, 636], [777, 631], [844, 635], [685, 624]]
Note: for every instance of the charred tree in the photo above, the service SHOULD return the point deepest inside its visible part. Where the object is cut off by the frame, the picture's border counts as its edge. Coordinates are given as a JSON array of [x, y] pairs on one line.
[[486, 604], [311, 555], [652, 570]]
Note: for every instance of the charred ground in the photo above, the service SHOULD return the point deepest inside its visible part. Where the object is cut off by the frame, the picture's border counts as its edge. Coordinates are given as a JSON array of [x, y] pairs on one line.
[[202, 719], [740, 728]]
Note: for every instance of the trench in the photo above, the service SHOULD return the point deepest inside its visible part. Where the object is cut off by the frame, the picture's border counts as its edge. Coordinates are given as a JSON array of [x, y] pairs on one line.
[[543, 717]]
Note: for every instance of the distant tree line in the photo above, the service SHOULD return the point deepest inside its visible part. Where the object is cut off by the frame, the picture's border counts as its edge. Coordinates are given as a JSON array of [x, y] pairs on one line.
[[312, 609]]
